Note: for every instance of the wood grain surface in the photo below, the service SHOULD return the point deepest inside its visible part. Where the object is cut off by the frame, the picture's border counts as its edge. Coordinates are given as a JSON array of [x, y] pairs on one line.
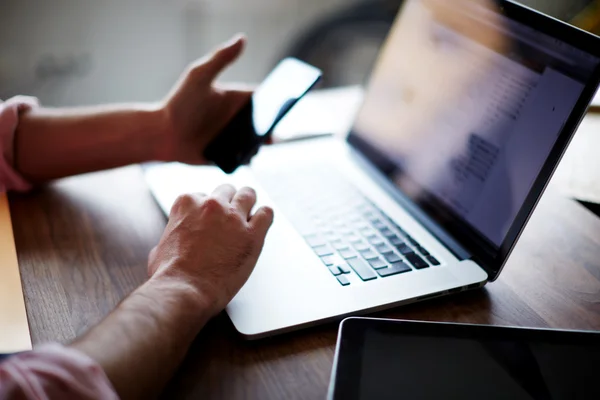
[[83, 242]]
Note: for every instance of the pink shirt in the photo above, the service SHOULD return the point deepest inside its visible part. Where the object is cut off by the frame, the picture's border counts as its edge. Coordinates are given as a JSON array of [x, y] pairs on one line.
[[51, 371], [9, 120]]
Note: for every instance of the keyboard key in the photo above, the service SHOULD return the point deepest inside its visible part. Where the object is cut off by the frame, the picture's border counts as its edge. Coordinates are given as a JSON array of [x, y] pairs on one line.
[[392, 257], [383, 248], [395, 240], [340, 245], [346, 231], [387, 232], [379, 225], [404, 249], [315, 240], [348, 253], [363, 207], [339, 224], [362, 269], [378, 263], [335, 270], [369, 254], [423, 251], [329, 260], [367, 232], [375, 240], [331, 236], [361, 246], [344, 268], [433, 260], [359, 224], [343, 280], [394, 269], [402, 232], [412, 241], [373, 219], [324, 250], [416, 261], [370, 215], [351, 237], [320, 224], [355, 218]]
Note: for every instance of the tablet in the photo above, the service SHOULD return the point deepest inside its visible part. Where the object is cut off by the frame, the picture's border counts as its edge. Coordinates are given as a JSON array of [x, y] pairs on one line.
[[385, 359]]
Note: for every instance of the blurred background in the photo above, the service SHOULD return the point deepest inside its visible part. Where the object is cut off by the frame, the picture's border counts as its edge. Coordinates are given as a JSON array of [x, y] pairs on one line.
[[78, 52]]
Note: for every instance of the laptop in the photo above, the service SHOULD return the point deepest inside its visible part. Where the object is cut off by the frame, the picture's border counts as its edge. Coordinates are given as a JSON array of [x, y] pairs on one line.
[[468, 111]]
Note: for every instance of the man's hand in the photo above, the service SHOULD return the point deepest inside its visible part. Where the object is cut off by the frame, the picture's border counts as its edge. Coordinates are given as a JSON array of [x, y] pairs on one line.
[[197, 110], [212, 243], [207, 253], [54, 143]]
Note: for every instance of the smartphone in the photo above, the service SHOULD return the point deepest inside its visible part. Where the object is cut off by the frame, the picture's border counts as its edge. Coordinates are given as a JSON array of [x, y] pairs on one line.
[[253, 125]]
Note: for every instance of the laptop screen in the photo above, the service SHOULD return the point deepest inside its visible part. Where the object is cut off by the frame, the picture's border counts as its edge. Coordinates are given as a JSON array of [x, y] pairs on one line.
[[464, 108]]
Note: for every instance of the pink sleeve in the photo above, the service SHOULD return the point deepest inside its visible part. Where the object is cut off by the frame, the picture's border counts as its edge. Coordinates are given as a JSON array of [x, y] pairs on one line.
[[53, 372], [9, 120]]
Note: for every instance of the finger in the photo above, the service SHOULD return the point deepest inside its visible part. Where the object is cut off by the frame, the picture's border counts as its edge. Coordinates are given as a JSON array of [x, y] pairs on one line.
[[241, 87], [224, 193], [151, 259], [185, 201], [24, 103], [152, 255], [209, 68], [262, 220], [244, 200]]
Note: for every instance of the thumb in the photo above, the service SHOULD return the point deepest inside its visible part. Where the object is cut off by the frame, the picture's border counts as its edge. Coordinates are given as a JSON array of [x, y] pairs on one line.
[[211, 66]]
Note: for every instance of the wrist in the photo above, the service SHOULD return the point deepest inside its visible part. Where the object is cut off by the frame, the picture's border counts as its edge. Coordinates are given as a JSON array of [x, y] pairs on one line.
[[180, 297], [162, 148]]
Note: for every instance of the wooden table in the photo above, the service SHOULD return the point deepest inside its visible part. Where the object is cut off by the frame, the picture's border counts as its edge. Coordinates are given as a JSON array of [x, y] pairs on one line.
[[83, 243]]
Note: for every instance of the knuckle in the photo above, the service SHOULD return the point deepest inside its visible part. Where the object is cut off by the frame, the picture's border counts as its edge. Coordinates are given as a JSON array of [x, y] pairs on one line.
[[184, 200], [248, 191], [211, 204], [247, 195]]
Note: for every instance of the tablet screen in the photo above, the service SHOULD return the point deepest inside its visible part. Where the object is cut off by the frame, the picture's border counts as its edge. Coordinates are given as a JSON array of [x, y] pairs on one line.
[[393, 366]]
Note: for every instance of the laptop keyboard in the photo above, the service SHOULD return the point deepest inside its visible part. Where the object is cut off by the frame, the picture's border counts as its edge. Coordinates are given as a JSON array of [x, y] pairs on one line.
[[346, 230]]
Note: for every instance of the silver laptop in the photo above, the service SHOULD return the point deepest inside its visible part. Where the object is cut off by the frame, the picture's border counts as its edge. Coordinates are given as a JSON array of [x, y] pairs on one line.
[[467, 114]]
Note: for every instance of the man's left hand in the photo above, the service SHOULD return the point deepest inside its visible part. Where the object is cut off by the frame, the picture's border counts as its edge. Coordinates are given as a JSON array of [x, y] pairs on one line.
[[197, 109]]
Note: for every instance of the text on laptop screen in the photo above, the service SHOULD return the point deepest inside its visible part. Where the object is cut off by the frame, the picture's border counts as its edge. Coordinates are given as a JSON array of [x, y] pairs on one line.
[[464, 107]]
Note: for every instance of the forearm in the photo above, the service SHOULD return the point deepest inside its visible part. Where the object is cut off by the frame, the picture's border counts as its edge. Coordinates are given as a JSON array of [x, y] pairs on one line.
[[53, 143], [142, 342]]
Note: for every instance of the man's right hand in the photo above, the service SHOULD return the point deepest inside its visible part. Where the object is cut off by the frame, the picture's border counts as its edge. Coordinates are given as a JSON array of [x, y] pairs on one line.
[[211, 244], [208, 250]]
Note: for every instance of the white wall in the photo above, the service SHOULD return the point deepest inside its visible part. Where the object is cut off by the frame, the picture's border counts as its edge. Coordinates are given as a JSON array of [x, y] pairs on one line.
[[136, 48], [271, 25]]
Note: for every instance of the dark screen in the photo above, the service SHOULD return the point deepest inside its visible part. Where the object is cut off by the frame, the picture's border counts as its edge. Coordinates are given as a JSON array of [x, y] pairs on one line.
[[421, 367], [464, 108]]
